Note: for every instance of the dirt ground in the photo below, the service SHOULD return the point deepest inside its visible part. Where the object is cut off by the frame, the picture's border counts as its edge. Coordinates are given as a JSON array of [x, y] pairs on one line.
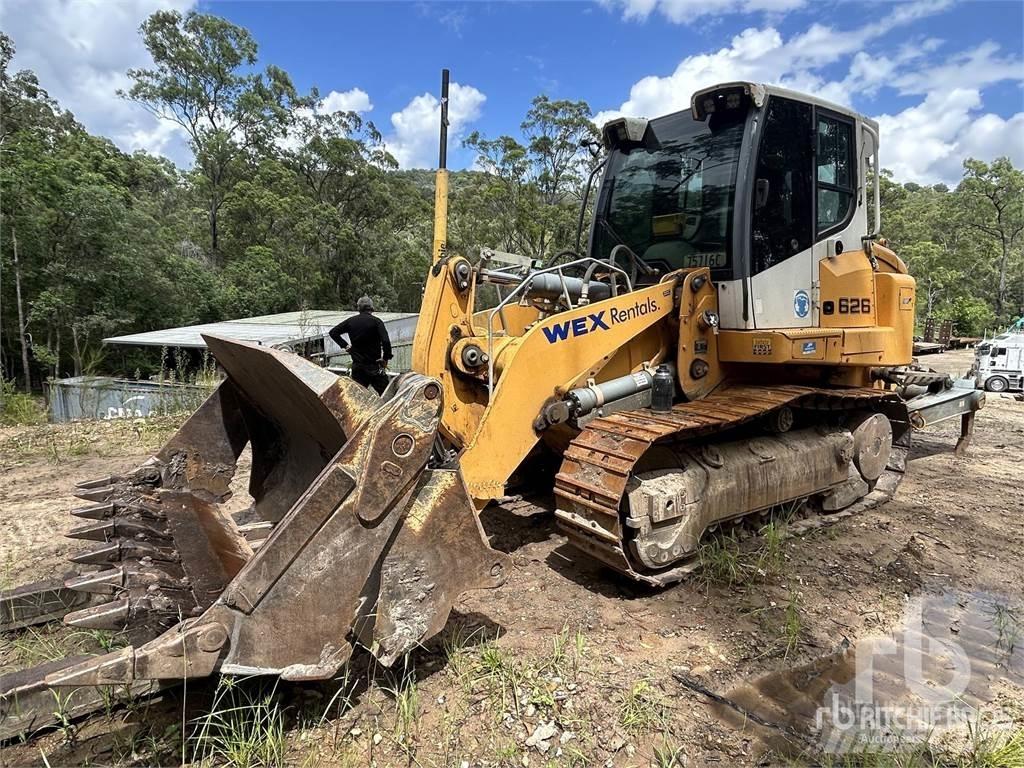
[[568, 664]]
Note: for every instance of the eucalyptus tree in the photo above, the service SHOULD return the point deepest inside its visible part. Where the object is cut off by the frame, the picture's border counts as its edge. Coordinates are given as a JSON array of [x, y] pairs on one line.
[[204, 81]]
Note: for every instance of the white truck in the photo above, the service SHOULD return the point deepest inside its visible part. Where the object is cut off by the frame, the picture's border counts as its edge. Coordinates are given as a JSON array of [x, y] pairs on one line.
[[999, 362]]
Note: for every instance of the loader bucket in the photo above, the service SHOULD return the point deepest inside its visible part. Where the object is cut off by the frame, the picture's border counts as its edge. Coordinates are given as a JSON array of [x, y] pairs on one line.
[[356, 534]]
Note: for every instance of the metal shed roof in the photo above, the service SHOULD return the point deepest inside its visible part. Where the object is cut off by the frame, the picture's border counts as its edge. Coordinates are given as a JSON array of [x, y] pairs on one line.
[[268, 330]]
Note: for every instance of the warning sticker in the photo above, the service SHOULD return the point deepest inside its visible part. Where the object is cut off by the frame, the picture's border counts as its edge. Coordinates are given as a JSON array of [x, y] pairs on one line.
[[762, 345]]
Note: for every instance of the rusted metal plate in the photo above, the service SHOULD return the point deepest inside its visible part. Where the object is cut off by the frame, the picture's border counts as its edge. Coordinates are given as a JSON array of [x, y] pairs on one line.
[[28, 704], [440, 552], [163, 520], [202, 454], [206, 538], [314, 568], [38, 603]]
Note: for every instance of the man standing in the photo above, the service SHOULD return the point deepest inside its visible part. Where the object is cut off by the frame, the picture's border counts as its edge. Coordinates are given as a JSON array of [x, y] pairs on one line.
[[370, 346]]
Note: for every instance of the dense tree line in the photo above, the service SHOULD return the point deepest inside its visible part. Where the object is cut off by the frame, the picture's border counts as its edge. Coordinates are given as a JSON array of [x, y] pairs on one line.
[[288, 206], [964, 246]]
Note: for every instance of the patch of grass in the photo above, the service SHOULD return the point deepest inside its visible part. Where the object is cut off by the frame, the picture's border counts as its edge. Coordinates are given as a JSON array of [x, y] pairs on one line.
[[668, 756], [149, 746], [719, 558], [1000, 749], [36, 645], [579, 642], [501, 674], [1007, 628], [56, 443], [514, 681], [244, 727], [770, 557], [457, 645], [405, 692], [20, 409], [508, 752], [62, 709], [792, 626], [642, 709], [341, 701], [568, 648], [724, 561]]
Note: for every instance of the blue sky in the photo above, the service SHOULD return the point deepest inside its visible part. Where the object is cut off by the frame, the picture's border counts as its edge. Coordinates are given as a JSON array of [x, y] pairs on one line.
[[944, 78]]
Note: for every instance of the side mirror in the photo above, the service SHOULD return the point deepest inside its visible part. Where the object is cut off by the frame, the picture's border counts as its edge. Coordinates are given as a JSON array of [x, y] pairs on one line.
[[760, 193]]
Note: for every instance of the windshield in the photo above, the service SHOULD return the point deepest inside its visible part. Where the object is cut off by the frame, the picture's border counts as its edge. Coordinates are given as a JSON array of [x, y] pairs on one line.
[[671, 200]]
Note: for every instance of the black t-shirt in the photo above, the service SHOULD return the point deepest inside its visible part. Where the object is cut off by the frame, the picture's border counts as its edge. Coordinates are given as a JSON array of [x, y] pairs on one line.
[[369, 337]]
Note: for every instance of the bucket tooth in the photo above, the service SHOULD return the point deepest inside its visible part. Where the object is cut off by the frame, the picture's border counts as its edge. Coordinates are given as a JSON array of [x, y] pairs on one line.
[[114, 580], [35, 603], [140, 616], [142, 510], [94, 511], [100, 493], [99, 482], [119, 549], [102, 530], [113, 615], [130, 527], [104, 489], [110, 553], [119, 527], [108, 582]]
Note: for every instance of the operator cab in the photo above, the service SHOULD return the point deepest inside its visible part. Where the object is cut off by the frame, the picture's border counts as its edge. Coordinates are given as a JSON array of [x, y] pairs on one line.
[[755, 182]]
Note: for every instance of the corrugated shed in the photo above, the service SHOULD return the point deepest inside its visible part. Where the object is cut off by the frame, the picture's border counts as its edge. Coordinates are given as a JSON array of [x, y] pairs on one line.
[[103, 397], [280, 330]]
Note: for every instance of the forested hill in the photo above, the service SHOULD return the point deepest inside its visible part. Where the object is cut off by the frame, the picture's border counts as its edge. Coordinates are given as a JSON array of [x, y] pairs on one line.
[[286, 207]]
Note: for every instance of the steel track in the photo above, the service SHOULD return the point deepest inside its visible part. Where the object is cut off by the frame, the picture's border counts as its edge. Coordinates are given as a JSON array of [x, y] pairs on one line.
[[596, 468]]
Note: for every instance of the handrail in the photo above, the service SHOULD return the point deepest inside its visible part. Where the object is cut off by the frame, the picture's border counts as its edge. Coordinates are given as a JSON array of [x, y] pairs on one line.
[[877, 179], [524, 284]]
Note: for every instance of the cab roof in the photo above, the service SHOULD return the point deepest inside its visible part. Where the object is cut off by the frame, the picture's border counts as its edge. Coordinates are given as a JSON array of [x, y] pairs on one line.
[[759, 93]]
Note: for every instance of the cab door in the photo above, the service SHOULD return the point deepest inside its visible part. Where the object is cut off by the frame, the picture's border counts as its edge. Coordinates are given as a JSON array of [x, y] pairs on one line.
[[783, 226]]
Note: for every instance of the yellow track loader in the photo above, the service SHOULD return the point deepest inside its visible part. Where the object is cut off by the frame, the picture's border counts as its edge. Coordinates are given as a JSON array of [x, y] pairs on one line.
[[734, 337]]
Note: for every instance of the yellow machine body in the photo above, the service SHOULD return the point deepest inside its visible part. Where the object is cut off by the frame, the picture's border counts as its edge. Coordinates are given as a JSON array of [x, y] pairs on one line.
[[494, 426]]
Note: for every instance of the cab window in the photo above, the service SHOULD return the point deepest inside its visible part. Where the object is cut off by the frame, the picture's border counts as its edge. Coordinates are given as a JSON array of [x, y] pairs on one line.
[[671, 199], [835, 176]]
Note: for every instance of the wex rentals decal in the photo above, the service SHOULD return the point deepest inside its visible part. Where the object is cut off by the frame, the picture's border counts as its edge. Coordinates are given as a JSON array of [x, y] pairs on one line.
[[597, 321]]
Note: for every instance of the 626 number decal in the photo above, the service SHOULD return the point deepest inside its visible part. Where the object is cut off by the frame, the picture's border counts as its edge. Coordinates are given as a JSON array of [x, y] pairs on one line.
[[853, 306], [848, 305]]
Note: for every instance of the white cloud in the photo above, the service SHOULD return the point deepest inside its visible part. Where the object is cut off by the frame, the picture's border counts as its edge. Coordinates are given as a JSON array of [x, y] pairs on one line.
[[413, 140], [762, 55], [80, 51], [975, 68], [926, 142], [354, 100], [686, 11]]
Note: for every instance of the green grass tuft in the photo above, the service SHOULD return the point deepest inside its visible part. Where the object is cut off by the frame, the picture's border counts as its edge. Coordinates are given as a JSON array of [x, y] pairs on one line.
[[244, 728], [642, 709], [20, 409]]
